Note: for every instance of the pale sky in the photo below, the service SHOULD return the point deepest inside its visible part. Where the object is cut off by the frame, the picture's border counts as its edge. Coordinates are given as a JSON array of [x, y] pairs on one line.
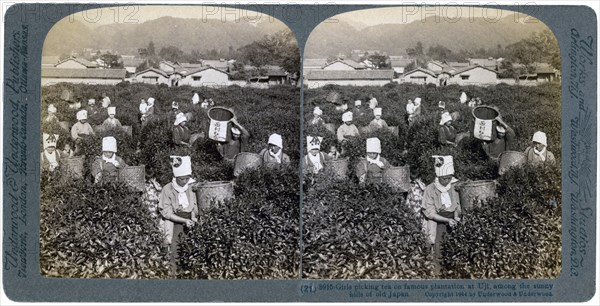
[[142, 13], [408, 14]]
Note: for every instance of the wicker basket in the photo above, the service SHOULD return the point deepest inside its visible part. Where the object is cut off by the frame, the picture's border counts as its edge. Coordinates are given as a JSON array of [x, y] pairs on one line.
[[213, 192], [475, 192], [74, 167], [99, 129], [510, 159], [398, 178], [246, 160], [134, 176], [339, 167], [394, 130]]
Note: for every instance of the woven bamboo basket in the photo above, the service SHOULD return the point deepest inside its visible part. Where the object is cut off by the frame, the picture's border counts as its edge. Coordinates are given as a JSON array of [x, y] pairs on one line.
[[339, 167], [213, 193], [74, 167], [510, 159], [472, 194], [134, 176], [246, 160], [398, 178]]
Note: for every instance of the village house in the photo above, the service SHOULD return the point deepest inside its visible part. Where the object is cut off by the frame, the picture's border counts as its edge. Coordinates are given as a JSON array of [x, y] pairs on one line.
[[131, 63], [399, 63], [76, 63], [312, 64], [489, 63], [53, 75], [340, 64], [152, 76], [205, 76], [474, 75], [319, 78], [420, 76]]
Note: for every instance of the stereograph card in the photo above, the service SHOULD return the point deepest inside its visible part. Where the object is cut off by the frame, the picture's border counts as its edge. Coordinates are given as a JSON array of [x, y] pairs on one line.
[[299, 153]]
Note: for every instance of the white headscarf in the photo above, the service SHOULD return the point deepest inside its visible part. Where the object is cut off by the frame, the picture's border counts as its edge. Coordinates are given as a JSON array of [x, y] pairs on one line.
[[52, 160], [316, 160], [182, 198], [541, 154], [112, 160], [445, 195], [376, 161], [276, 156]]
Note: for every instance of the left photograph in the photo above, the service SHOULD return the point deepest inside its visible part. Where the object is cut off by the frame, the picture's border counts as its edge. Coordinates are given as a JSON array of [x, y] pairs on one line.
[[170, 145]]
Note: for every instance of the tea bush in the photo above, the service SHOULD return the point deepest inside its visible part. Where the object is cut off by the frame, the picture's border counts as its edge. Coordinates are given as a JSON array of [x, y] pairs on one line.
[[102, 231]]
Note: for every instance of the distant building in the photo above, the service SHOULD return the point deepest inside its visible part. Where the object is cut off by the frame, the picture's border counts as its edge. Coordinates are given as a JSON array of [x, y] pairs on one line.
[[545, 72], [435, 66], [202, 76], [399, 63], [76, 63], [313, 64], [152, 76], [420, 76], [489, 63], [319, 78], [340, 64], [53, 75], [131, 63], [206, 76], [475, 75]]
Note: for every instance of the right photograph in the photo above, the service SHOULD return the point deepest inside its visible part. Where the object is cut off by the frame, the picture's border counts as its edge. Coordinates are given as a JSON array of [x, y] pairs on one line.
[[433, 146]]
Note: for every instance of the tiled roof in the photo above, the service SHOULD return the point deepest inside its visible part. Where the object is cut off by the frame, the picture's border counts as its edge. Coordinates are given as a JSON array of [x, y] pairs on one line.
[[83, 73], [82, 61], [422, 70], [350, 74]]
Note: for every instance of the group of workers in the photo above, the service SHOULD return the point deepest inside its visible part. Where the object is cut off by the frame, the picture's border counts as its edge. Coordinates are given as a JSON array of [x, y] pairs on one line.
[[438, 203]]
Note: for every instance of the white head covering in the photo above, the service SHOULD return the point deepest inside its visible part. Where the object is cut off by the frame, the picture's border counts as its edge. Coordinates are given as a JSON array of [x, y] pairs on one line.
[[357, 102], [91, 101], [444, 165], [52, 108], [109, 144], [417, 102], [410, 108], [275, 139], [500, 129], [377, 111], [235, 130], [445, 118], [50, 140], [174, 104], [373, 103], [143, 108], [347, 116], [373, 145], [540, 137], [313, 142], [105, 102], [150, 102], [463, 97], [318, 111], [442, 104], [112, 110], [182, 165], [82, 114], [195, 98], [180, 118]]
